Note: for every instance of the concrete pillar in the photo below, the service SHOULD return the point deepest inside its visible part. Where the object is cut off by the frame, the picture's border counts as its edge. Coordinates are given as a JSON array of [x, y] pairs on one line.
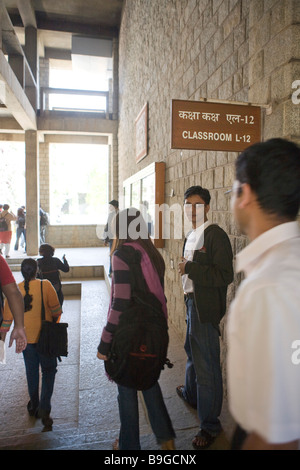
[[31, 49], [32, 193], [31, 53]]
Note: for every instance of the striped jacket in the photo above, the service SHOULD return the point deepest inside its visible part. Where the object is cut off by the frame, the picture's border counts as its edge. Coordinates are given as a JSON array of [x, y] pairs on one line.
[[121, 291]]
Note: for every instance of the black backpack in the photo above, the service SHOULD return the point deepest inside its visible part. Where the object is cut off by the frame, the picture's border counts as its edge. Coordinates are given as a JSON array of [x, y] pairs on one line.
[[139, 346], [3, 225]]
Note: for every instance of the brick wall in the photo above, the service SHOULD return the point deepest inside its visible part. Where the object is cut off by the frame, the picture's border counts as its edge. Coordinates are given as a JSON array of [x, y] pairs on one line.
[[237, 50]]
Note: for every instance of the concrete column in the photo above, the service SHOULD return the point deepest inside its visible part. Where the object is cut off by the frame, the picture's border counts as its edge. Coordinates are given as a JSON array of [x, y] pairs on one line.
[[31, 49], [115, 103], [32, 193], [31, 87]]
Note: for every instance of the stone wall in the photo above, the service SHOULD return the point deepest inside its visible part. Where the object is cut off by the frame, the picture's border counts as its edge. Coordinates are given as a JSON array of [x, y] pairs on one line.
[[236, 50], [74, 236]]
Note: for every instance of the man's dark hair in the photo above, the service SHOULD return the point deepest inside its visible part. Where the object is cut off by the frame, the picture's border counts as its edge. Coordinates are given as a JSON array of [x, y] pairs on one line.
[[114, 203], [199, 191], [272, 169]]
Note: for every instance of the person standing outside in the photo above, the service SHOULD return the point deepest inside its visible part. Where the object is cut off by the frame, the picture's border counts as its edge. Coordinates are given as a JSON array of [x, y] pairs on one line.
[[109, 232], [21, 223], [206, 270], [264, 318], [5, 236], [44, 221]]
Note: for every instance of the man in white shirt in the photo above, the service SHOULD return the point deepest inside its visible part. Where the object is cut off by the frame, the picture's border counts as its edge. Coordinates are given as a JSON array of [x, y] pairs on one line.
[[206, 270], [264, 319]]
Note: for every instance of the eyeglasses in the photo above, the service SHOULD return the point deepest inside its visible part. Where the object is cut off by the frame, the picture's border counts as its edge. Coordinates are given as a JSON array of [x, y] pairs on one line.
[[236, 188]]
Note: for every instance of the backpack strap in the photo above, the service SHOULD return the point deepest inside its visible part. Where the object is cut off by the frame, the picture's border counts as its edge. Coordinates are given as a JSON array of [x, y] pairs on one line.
[[140, 290], [42, 304], [133, 258]]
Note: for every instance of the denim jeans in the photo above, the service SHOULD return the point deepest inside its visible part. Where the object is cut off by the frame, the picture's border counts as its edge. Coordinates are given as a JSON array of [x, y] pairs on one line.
[[32, 360], [203, 377], [129, 438], [19, 232]]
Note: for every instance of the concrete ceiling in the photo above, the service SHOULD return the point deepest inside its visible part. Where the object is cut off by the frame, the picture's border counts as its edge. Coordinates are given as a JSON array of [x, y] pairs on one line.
[[56, 21]]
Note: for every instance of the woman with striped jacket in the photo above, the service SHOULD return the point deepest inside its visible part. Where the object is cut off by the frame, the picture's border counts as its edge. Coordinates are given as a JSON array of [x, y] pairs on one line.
[[153, 268]]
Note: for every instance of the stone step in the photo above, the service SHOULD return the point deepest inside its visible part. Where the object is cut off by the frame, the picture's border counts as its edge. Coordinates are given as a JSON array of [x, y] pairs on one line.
[[79, 272], [60, 438]]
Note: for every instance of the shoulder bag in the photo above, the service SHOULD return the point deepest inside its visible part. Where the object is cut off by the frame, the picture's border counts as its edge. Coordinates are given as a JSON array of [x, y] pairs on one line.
[[53, 340]]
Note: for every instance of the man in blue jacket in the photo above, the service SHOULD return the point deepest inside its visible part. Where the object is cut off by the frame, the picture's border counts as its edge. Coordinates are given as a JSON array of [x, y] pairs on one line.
[[206, 270]]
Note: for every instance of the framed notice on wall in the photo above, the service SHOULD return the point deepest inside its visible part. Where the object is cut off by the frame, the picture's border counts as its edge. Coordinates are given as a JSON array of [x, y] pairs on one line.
[[203, 125], [141, 134], [145, 190]]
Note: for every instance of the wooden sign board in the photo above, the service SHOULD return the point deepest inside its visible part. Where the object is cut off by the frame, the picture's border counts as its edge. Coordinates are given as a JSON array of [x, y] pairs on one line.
[[201, 125]]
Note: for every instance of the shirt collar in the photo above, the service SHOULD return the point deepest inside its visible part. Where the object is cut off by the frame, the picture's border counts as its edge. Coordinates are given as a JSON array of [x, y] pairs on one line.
[[249, 255], [203, 226]]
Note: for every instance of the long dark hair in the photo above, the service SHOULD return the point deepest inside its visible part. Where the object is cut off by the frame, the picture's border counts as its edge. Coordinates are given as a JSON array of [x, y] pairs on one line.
[[28, 270], [130, 226]]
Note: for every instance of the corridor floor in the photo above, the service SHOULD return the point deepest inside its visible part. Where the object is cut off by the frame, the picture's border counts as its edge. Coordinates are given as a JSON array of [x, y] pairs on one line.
[[84, 404]]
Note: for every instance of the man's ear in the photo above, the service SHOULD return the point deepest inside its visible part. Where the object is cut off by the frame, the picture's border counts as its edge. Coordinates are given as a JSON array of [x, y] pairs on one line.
[[245, 195]]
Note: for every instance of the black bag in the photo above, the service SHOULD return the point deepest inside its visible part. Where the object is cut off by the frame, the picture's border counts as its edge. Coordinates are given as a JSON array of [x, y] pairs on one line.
[[53, 340], [3, 225], [139, 346]]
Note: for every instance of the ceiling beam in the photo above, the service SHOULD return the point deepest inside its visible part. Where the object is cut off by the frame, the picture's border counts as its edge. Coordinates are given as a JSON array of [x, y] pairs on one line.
[[60, 24], [27, 13], [14, 97]]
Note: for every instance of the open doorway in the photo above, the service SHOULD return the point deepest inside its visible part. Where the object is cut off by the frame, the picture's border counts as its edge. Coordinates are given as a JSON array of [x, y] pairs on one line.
[[12, 175], [78, 184]]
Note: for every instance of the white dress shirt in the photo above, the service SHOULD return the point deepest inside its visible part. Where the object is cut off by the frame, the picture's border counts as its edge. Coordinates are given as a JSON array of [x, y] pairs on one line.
[[194, 241], [263, 336]]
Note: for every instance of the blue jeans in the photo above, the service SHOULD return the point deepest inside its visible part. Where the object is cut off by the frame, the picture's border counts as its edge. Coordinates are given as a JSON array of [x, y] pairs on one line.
[[32, 360], [203, 377], [129, 437]]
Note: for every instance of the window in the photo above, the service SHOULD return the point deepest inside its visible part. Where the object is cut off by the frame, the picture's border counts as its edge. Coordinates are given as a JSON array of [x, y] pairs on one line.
[[78, 183], [12, 176], [82, 73]]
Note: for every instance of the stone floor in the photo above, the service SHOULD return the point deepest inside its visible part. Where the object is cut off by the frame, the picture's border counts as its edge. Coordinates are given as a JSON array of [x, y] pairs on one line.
[[84, 404]]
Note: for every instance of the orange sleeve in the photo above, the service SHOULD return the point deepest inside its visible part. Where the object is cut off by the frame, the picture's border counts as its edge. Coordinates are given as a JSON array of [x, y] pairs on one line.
[[7, 318], [51, 301]]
